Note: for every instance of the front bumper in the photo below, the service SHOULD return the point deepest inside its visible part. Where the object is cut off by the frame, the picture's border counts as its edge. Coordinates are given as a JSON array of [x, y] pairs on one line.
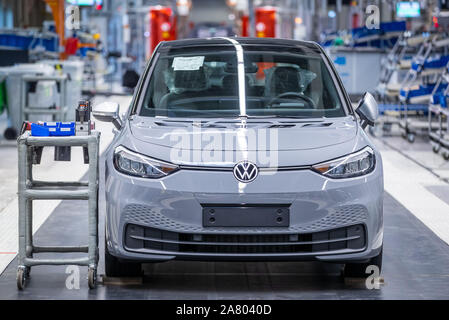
[[160, 220]]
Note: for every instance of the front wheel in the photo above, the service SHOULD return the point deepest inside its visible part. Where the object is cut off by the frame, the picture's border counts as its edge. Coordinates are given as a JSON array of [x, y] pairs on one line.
[[358, 270], [116, 268]]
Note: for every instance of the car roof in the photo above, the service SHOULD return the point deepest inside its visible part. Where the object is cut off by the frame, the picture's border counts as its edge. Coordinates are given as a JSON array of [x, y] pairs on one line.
[[306, 46]]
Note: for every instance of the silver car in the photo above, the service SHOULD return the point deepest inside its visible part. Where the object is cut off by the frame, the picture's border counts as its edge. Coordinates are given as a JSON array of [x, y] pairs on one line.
[[242, 149]]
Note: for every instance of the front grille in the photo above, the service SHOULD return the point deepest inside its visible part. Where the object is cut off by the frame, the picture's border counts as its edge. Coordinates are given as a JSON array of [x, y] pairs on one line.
[[337, 216], [145, 238]]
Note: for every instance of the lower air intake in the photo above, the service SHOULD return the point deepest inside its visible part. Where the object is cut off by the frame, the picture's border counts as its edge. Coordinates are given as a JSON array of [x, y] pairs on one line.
[[151, 239]]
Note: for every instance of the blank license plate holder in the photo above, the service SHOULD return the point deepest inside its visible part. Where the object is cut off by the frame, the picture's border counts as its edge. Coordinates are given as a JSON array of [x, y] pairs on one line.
[[246, 216]]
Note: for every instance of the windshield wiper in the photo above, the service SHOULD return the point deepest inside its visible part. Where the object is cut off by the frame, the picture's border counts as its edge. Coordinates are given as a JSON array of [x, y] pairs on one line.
[[277, 116]]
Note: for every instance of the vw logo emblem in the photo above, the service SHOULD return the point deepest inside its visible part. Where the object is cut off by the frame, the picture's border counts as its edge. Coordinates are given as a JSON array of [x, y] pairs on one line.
[[245, 171]]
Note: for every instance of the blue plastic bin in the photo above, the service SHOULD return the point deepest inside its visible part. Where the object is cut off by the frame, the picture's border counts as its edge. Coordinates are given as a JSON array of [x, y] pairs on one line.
[[432, 63], [38, 130], [53, 129], [66, 129]]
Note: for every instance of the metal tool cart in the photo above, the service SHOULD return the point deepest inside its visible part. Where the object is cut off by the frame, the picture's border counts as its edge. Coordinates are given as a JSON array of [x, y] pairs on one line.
[[394, 69], [30, 151], [396, 65], [444, 136], [438, 110], [418, 85], [58, 112]]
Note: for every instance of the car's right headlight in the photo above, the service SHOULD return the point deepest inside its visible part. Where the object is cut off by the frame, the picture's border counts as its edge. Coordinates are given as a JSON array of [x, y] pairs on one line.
[[352, 165], [136, 164]]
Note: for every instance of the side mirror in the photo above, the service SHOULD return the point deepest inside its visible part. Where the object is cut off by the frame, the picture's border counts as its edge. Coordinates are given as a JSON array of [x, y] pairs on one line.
[[108, 112], [367, 110]]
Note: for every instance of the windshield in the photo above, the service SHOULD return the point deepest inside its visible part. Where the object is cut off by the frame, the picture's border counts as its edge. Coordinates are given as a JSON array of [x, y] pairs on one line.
[[204, 83]]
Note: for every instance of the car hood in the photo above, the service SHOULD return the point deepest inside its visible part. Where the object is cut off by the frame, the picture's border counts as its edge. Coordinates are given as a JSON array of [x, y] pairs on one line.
[[232, 135]]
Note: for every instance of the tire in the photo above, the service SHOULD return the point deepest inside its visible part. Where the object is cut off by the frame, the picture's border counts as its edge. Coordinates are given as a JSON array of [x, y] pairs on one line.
[[116, 268], [358, 270]]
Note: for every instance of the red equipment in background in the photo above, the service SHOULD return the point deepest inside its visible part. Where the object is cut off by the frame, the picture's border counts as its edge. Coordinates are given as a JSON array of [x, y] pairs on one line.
[[266, 22], [355, 20], [265, 28], [162, 26], [245, 26]]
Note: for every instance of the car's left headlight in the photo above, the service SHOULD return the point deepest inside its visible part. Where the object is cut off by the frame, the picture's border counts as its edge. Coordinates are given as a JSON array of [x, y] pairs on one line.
[[136, 164], [353, 165]]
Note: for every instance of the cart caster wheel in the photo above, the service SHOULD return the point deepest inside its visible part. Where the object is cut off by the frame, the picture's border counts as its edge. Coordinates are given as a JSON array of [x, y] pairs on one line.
[[436, 149], [411, 137], [445, 155], [21, 278], [92, 278]]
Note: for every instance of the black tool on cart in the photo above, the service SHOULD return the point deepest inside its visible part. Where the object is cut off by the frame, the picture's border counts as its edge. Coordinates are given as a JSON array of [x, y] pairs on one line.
[[83, 123], [83, 127]]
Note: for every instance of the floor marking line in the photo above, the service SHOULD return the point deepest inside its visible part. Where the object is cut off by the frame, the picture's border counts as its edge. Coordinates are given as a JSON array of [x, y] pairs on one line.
[[399, 171]]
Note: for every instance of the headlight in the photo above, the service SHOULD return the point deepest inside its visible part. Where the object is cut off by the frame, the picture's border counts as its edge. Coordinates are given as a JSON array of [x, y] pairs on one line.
[[135, 164], [353, 165]]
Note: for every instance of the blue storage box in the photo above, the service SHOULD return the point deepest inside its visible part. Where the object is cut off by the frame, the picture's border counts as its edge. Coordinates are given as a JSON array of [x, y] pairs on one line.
[[38, 130], [66, 129], [25, 42], [393, 26], [400, 107], [423, 90], [53, 129], [440, 98], [432, 63]]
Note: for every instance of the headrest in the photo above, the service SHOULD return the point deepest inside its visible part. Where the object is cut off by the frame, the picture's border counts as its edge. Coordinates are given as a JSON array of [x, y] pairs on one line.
[[284, 79], [190, 80]]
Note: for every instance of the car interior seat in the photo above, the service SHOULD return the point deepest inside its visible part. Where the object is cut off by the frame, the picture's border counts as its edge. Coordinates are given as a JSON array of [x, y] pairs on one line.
[[185, 83], [230, 84], [281, 80]]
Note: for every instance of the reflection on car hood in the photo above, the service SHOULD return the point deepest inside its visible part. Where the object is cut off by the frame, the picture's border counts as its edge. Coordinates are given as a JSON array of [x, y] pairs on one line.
[[232, 135]]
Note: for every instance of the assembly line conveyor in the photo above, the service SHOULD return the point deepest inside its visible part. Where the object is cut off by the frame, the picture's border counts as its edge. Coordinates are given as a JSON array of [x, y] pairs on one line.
[[29, 152]]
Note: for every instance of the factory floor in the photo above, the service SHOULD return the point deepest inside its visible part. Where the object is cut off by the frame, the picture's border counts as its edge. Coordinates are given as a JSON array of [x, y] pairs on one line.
[[416, 238]]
